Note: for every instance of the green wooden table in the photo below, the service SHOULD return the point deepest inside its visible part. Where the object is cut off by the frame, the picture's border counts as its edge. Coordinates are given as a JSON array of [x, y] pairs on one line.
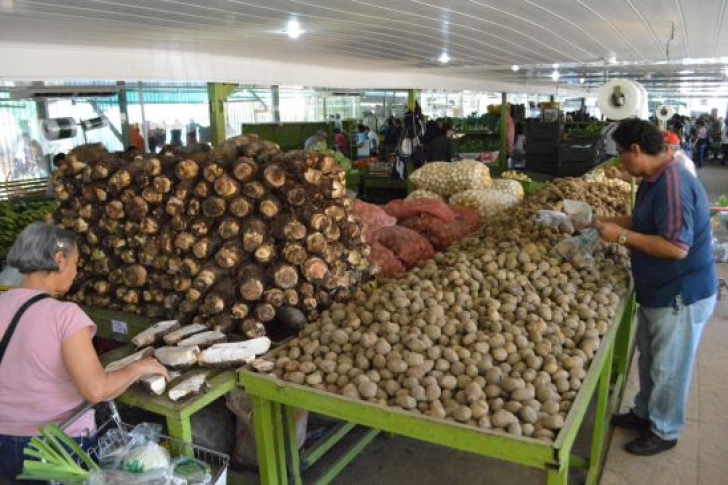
[[177, 414], [274, 400]]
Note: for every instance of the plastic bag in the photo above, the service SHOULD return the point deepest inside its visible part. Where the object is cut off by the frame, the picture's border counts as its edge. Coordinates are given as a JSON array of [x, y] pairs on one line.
[[555, 220], [403, 209], [441, 234], [409, 246], [389, 265], [580, 213], [147, 457], [123, 477], [487, 202], [470, 217], [191, 470], [245, 453], [371, 217], [579, 250]]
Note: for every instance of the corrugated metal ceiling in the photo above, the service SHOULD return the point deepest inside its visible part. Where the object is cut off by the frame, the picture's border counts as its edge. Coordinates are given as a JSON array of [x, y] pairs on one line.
[[590, 39]]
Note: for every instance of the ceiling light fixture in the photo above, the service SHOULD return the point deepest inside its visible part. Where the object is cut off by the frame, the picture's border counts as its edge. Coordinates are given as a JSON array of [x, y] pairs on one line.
[[444, 58], [293, 29], [515, 68], [555, 75], [556, 65], [582, 80]]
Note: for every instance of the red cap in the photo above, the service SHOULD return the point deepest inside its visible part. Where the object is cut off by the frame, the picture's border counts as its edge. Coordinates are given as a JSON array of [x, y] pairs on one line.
[[671, 138]]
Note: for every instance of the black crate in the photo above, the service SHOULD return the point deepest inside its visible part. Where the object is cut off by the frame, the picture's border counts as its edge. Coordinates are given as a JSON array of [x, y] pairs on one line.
[[580, 154], [542, 163]]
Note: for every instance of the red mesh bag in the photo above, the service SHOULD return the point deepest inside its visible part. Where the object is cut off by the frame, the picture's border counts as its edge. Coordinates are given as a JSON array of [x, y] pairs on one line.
[[404, 209], [371, 217], [406, 244], [389, 265], [470, 217], [441, 234]]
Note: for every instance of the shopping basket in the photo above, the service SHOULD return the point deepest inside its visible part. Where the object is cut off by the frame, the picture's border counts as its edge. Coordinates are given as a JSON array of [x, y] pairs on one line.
[[217, 461]]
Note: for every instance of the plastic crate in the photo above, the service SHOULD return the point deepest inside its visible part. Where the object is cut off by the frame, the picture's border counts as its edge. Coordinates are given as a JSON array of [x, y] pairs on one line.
[[542, 163]]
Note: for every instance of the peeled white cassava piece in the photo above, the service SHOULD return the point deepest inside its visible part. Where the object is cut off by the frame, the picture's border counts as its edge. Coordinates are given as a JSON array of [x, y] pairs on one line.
[[181, 333], [151, 334], [189, 387], [226, 355], [509, 186], [121, 363], [177, 356], [487, 202]]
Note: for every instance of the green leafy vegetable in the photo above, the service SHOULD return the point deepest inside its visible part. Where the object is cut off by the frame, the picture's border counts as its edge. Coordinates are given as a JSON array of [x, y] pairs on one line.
[[55, 458]]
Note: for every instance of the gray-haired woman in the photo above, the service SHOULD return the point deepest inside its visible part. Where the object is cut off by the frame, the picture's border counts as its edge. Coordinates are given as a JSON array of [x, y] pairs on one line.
[[48, 365]]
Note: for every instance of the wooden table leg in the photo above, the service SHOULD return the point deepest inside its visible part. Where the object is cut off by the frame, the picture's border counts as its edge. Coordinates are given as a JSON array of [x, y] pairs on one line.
[[269, 449]]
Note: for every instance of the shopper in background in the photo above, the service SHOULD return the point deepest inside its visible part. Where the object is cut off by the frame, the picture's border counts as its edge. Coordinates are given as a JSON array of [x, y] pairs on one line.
[[724, 142], [373, 141], [135, 137], [674, 277], [340, 142], [674, 150], [48, 367], [363, 146], [315, 139], [702, 141], [441, 148], [57, 161]]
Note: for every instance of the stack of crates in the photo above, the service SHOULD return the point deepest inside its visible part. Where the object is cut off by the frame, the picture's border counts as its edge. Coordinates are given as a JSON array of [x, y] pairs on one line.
[[542, 146], [579, 154]]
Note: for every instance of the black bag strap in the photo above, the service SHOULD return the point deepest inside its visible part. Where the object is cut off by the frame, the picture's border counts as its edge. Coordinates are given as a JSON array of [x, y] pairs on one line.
[[14, 322]]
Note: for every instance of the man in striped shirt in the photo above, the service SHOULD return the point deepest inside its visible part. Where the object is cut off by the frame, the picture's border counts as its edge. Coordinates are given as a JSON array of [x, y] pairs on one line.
[[675, 281]]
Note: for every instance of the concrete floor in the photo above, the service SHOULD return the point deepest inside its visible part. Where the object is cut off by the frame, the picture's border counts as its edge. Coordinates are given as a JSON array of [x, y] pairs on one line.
[[701, 456]]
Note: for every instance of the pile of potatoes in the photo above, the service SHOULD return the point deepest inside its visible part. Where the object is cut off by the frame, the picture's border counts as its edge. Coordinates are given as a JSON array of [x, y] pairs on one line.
[[497, 332]]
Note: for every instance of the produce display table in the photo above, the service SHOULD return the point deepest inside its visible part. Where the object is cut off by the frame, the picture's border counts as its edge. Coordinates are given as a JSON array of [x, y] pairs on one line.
[[274, 400], [177, 414]]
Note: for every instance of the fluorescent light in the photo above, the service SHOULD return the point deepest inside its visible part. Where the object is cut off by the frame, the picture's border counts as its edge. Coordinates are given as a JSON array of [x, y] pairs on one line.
[[555, 75], [444, 58], [556, 65], [293, 29], [582, 80], [515, 68]]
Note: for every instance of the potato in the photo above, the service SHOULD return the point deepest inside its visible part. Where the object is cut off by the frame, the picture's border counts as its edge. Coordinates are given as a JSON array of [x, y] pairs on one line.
[[462, 413], [474, 392], [502, 419], [522, 394], [406, 402], [553, 422], [528, 414]]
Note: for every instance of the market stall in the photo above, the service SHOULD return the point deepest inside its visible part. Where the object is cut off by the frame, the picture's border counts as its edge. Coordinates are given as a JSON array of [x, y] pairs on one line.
[[275, 400]]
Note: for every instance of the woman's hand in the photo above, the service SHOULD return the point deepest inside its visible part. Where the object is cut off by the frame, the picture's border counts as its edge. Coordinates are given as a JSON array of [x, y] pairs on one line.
[[150, 366]]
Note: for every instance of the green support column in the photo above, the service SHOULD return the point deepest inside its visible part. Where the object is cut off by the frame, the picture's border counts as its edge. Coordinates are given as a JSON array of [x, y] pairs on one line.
[[124, 113], [217, 93], [412, 95], [275, 94], [502, 155]]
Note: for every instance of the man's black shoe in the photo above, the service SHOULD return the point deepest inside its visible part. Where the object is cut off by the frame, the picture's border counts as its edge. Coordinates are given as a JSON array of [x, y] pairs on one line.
[[630, 420], [649, 444]]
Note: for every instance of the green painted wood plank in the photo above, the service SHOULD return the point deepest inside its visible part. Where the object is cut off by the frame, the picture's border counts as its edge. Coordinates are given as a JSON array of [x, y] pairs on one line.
[[264, 423], [291, 444], [520, 450], [325, 444], [344, 461], [105, 323]]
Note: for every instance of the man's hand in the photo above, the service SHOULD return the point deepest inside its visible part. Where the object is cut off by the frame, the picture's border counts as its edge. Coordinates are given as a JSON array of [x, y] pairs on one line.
[[609, 231]]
